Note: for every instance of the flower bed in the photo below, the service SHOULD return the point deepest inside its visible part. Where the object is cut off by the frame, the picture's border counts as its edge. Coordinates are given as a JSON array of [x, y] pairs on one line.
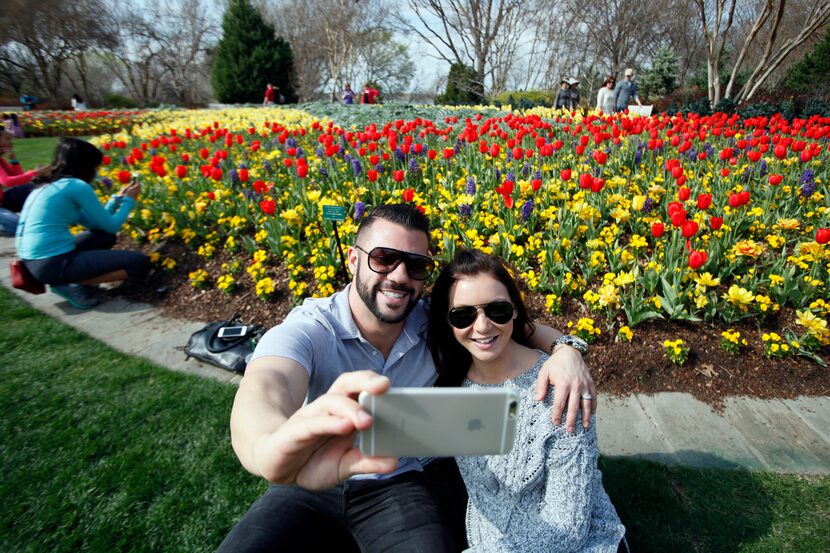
[[79, 123], [614, 221]]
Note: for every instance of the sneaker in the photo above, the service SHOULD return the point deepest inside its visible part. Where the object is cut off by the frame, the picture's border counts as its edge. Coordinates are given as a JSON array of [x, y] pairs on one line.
[[76, 296]]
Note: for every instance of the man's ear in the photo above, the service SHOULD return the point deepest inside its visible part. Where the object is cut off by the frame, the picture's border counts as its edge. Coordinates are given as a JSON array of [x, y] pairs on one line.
[[353, 259]]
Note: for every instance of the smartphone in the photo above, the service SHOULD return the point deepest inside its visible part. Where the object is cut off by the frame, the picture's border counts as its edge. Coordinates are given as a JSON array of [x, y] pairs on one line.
[[440, 422], [233, 331]]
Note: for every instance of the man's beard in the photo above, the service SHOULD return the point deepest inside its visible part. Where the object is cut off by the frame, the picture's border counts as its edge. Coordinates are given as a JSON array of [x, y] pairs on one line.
[[370, 299]]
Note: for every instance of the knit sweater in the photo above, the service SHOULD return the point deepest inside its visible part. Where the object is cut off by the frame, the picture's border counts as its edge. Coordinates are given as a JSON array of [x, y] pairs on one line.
[[546, 494]]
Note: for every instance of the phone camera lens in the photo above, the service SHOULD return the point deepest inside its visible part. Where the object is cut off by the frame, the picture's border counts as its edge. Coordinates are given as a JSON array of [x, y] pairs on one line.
[[513, 409]]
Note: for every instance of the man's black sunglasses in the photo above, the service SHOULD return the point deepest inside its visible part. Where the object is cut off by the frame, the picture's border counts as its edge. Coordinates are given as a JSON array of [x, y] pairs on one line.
[[385, 260], [499, 311]]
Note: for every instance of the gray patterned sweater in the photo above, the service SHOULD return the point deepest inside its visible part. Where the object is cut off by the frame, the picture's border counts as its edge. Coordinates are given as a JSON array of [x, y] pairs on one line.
[[546, 494]]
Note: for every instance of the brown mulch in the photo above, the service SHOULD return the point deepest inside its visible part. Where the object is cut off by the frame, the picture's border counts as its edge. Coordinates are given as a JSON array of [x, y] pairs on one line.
[[710, 374]]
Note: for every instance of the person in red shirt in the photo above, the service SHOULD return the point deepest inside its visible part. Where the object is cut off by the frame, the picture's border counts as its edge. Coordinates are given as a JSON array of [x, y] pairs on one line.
[[270, 95], [369, 95], [15, 183]]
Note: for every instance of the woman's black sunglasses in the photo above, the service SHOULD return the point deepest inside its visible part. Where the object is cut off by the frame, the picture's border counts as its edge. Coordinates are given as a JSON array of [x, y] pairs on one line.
[[499, 311], [385, 260]]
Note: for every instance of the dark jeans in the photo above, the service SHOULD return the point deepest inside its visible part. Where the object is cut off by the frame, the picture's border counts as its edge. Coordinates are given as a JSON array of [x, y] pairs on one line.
[[91, 258], [402, 514], [15, 197]]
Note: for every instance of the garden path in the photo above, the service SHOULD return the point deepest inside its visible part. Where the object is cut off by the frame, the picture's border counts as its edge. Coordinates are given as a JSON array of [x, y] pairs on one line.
[[791, 436]]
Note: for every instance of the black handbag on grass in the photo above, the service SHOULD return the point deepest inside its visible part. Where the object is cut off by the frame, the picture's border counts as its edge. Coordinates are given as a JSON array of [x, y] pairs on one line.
[[229, 353]]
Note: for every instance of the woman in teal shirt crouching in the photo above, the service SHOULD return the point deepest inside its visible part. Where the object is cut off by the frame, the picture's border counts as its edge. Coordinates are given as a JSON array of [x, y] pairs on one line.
[[72, 265]]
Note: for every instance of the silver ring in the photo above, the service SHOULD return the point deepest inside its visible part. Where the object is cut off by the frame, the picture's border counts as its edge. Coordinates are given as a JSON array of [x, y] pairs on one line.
[[587, 397]]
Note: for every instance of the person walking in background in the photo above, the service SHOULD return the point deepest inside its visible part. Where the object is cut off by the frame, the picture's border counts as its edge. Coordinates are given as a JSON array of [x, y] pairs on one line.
[[573, 93], [563, 97], [348, 95], [270, 95], [605, 96], [369, 95], [626, 91], [15, 183], [13, 125], [545, 494], [78, 103], [72, 264]]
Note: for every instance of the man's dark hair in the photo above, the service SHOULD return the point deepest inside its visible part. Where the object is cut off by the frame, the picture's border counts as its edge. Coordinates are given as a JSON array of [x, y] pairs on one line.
[[406, 215], [452, 360], [76, 158]]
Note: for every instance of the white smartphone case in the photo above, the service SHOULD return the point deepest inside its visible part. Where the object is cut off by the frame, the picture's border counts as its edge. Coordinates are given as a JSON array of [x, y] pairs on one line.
[[440, 422]]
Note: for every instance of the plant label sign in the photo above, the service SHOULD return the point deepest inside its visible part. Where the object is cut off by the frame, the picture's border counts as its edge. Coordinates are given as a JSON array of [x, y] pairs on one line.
[[334, 213]]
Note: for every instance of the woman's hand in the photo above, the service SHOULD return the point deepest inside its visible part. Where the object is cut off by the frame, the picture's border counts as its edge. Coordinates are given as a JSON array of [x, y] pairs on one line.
[[132, 190], [44, 171], [575, 389]]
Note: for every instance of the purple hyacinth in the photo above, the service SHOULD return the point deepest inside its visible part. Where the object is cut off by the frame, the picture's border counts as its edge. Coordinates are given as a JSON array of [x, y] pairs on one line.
[[233, 174], [323, 172], [527, 209], [808, 183], [413, 165], [458, 144], [525, 169], [537, 175], [498, 175], [399, 155], [107, 182], [510, 176], [319, 151], [300, 152], [291, 143], [380, 168], [266, 165], [357, 168], [471, 186], [648, 205], [359, 210], [465, 210], [508, 155], [638, 157], [152, 151], [762, 168]]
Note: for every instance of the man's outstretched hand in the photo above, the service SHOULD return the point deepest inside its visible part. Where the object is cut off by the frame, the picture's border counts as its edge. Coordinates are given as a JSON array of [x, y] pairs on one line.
[[315, 447]]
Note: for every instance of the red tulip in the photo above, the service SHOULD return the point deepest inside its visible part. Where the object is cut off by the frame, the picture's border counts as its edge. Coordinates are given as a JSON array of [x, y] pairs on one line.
[[372, 175], [734, 201], [823, 235], [780, 151], [597, 185], [690, 228], [715, 222], [216, 173], [243, 174], [600, 157], [724, 172], [743, 196], [181, 171], [268, 206], [678, 218], [697, 259], [657, 229], [302, 170], [408, 194], [124, 176], [448, 153], [585, 181], [536, 184], [565, 174], [398, 175], [508, 201], [704, 201], [684, 193]]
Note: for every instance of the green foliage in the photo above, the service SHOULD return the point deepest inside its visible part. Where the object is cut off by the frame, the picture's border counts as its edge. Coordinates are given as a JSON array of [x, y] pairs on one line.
[[661, 79], [103, 452], [249, 56], [463, 87], [812, 73], [525, 99], [117, 101]]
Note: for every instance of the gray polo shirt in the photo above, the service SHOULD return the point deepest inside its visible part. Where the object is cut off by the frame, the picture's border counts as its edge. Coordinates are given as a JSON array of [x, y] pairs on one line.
[[321, 335]]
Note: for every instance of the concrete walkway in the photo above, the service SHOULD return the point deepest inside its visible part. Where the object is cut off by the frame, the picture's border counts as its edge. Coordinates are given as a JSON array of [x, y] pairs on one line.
[[669, 427]]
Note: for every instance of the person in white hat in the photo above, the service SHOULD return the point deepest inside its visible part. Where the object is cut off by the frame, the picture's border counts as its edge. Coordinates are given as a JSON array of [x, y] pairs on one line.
[[626, 91], [573, 92]]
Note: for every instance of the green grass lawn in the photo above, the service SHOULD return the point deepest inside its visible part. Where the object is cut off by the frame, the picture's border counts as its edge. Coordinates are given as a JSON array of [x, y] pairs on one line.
[[34, 152], [104, 452]]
